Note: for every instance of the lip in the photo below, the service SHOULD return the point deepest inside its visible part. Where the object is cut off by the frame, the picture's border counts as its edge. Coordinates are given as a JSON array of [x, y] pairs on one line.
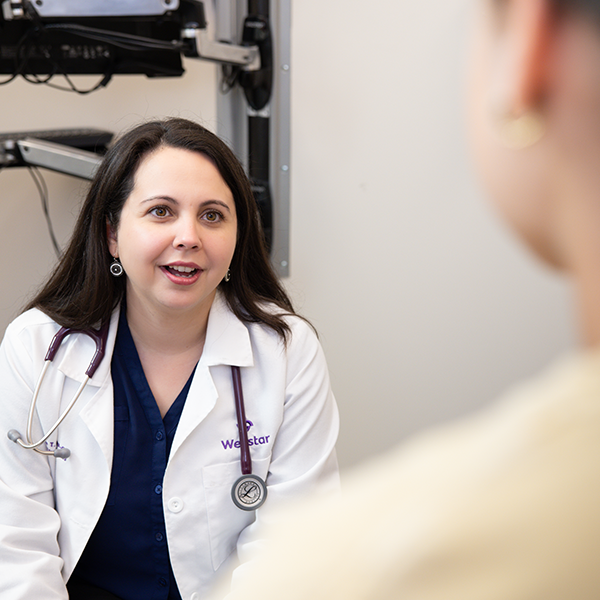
[[179, 263], [179, 279]]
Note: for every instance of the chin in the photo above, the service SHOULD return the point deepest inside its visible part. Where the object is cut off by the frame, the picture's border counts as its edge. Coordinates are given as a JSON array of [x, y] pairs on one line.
[[547, 253]]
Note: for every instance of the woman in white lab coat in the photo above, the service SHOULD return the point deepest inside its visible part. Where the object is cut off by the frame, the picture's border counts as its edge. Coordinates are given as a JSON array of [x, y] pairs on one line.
[[168, 251]]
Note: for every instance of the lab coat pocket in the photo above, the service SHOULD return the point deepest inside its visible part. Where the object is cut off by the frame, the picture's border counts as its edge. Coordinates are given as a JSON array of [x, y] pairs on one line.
[[225, 520]]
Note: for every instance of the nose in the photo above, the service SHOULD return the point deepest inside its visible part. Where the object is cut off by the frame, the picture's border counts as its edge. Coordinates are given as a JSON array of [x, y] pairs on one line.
[[187, 234]]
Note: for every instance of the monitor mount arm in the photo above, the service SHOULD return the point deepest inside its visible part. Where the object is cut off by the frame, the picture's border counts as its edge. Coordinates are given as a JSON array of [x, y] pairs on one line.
[[201, 45], [49, 155]]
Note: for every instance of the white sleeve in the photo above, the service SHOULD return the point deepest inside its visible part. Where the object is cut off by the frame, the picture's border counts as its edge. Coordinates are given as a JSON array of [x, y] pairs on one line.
[[30, 565], [304, 458]]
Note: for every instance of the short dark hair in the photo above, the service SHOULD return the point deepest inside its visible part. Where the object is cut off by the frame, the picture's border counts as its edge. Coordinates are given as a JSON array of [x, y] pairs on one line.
[[590, 8], [81, 292]]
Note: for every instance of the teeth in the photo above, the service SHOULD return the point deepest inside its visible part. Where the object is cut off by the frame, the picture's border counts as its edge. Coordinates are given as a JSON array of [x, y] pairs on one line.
[[182, 269]]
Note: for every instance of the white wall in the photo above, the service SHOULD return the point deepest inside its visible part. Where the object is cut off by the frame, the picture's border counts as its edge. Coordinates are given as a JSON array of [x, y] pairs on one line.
[[426, 306]]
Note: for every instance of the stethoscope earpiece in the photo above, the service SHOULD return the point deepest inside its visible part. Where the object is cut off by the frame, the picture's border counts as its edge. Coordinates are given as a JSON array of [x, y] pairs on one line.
[[14, 436], [63, 453]]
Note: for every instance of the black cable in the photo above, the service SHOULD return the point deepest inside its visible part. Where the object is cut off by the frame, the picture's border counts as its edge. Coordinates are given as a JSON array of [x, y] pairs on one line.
[[127, 41], [19, 66], [72, 88], [11, 78], [35, 79], [40, 183], [229, 77], [57, 70]]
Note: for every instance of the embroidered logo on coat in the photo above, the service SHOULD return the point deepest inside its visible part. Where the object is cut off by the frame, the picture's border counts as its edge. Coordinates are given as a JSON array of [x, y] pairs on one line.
[[252, 440]]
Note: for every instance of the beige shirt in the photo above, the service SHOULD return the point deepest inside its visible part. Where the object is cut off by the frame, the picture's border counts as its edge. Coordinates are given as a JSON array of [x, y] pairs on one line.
[[502, 506]]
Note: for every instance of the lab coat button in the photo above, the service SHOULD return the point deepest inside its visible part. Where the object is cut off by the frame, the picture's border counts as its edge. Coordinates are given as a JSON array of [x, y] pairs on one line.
[[194, 596], [175, 505]]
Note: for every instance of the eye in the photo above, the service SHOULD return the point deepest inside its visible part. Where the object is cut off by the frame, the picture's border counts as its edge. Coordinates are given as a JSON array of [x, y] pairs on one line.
[[159, 211], [213, 216]]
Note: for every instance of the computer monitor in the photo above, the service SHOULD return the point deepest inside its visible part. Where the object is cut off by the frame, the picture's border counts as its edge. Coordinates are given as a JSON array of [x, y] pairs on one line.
[[103, 37]]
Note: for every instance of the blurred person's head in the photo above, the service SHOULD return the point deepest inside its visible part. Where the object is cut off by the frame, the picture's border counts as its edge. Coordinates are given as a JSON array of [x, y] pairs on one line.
[[534, 114]]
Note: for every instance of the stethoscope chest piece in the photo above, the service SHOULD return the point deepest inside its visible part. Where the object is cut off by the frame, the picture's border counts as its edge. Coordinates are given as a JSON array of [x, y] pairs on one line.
[[249, 492]]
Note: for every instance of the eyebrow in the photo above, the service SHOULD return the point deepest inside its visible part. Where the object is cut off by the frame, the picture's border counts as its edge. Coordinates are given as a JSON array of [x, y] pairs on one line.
[[173, 201]]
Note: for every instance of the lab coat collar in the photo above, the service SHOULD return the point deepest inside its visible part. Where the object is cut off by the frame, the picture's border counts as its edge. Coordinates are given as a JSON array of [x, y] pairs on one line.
[[227, 343], [227, 338]]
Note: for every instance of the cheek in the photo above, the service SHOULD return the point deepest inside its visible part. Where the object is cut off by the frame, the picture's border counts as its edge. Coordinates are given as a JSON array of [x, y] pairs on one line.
[[137, 245], [228, 239], [484, 103], [494, 164], [224, 247]]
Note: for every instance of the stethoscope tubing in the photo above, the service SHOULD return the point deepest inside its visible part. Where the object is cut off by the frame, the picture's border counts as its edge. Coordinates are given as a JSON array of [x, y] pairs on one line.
[[245, 459], [29, 434]]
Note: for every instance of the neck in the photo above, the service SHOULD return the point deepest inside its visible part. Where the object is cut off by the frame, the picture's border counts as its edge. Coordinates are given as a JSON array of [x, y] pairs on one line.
[[579, 224], [167, 332], [588, 300]]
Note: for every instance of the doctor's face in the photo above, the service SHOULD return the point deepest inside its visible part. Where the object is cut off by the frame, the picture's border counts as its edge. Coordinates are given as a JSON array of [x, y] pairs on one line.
[[177, 232]]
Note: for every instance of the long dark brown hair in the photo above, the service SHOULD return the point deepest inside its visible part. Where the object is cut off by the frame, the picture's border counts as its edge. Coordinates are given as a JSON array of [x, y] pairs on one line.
[[81, 293]]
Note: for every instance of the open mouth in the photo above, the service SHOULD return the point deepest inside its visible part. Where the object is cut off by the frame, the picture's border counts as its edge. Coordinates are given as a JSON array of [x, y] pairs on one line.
[[185, 272]]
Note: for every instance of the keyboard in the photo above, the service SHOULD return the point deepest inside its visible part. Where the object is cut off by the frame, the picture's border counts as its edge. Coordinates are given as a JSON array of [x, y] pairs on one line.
[[93, 140]]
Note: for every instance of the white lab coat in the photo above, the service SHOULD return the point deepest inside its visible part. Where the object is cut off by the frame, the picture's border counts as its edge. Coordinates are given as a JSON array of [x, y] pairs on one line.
[[49, 507]]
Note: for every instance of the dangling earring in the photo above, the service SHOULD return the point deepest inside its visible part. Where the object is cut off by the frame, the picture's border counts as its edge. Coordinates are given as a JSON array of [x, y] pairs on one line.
[[116, 268], [522, 131], [227, 276]]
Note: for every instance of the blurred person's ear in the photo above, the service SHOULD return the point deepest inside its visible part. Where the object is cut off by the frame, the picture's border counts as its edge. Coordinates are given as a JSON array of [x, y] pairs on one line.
[[521, 67]]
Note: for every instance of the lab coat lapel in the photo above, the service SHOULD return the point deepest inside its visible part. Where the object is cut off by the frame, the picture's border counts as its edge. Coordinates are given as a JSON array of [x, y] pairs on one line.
[[96, 401], [227, 343]]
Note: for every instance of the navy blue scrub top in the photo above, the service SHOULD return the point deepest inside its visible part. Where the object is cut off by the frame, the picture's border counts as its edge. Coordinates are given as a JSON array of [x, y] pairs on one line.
[[127, 553]]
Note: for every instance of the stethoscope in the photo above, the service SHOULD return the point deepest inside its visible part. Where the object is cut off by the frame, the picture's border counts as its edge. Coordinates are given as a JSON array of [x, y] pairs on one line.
[[99, 337], [248, 492]]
